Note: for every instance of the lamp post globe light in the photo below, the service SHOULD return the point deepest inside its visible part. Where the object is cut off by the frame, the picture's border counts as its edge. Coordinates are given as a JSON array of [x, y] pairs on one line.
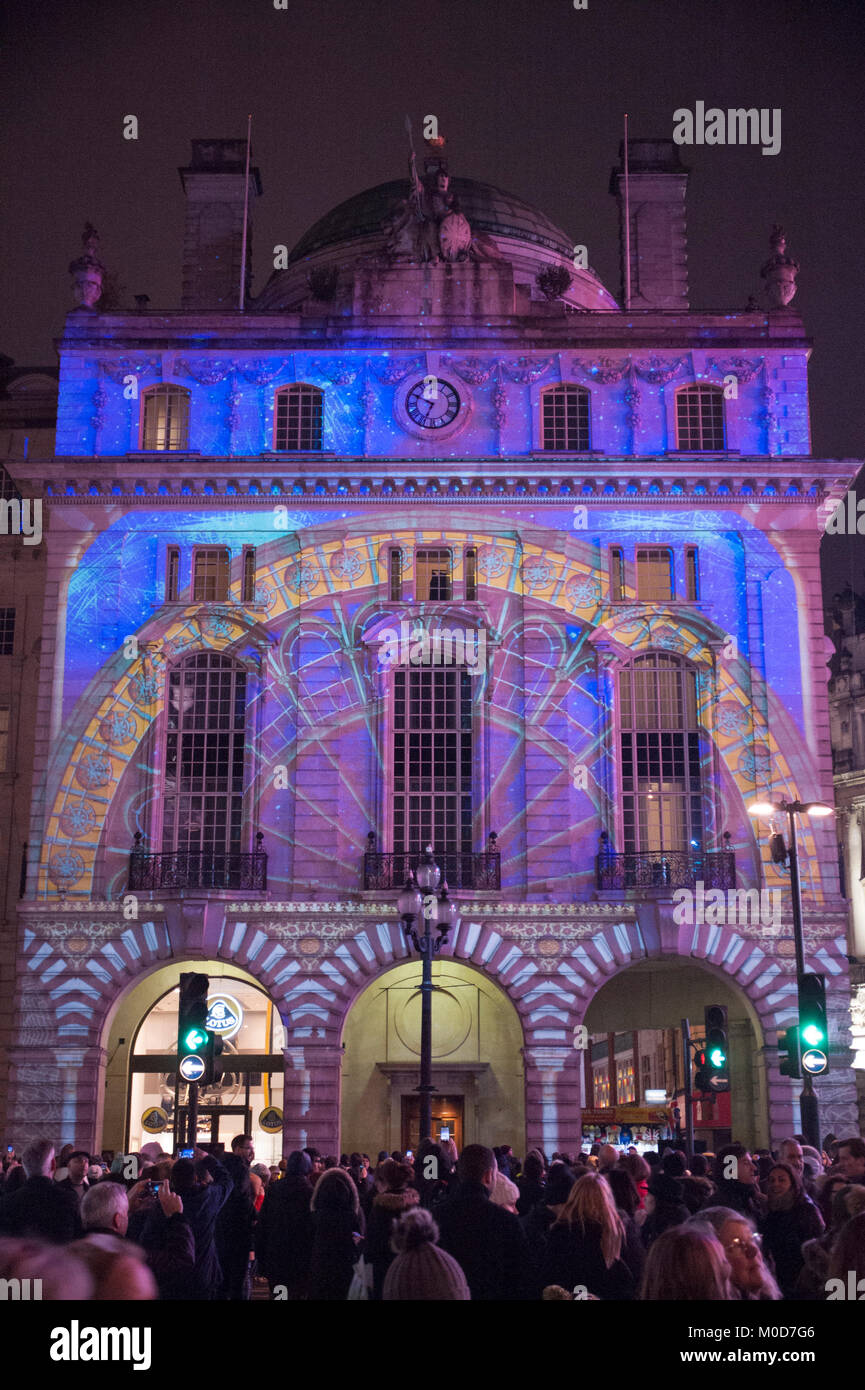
[[807, 1100], [418, 898]]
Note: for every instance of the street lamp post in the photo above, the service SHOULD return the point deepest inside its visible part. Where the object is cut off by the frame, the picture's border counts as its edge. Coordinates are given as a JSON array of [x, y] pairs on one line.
[[808, 1105], [420, 896]]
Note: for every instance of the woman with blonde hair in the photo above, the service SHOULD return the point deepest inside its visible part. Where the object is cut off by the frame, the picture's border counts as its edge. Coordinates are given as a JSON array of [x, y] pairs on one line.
[[584, 1245], [687, 1264]]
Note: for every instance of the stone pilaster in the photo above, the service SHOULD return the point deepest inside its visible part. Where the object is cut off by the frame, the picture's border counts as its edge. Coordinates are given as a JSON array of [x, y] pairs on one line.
[[311, 1096], [553, 1098]]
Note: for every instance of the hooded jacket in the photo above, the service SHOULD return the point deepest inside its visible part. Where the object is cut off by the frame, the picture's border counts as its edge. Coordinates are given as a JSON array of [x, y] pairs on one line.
[[386, 1209]]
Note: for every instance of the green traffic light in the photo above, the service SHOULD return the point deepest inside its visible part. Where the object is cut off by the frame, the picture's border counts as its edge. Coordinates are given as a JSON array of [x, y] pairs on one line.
[[717, 1057], [812, 1034], [195, 1039]]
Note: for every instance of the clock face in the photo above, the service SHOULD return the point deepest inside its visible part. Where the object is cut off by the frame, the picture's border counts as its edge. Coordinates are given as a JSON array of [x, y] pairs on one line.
[[432, 404]]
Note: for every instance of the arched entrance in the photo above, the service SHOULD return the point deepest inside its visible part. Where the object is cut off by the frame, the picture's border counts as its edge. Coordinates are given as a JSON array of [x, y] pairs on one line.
[[145, 1100], [636, 1016], [477, 1061]]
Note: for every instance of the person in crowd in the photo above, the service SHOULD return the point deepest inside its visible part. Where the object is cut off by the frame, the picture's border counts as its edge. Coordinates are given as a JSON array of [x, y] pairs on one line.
[[504, 1192], [848, 1259], [608, 1157], [77, 1180], [674, 1164], [531, 1183], [359, 1173], [687, 1264], [848, 1200], [665, 1207], [337, 1233], [283, 1243], [204, 1185], [627, 1200], [15, 1179], [639, 1170], [117, 1267], [61, 1170], [316, 1160], [790, 1151], [699, 1182], [395, 1197], [158, 1224], [62, 1275], [420, 1270], [236, 1221], [584, 1244], [41, 1207], [486, 1241], [433, 1180], [449, 1149], [560, 1181], [736, 1182], [331, 1161], [791, 1220], [752, 1280], [257, 1187], [851, 1159], [343, 1161]]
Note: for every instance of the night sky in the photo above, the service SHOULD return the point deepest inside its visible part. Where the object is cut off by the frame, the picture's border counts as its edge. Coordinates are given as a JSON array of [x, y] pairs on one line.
[[530, 94]]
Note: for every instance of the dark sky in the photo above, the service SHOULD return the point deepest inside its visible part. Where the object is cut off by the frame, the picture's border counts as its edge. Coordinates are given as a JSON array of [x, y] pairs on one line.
[[530, 94]]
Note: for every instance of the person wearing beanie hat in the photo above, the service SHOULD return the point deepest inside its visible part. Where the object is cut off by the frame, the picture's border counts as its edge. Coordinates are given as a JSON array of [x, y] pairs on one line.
[[394, 1196], [665, 1207], [420, 1270]]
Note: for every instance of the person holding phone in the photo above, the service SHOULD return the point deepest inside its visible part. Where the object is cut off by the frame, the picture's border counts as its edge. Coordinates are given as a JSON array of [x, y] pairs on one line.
[[158, 1223]]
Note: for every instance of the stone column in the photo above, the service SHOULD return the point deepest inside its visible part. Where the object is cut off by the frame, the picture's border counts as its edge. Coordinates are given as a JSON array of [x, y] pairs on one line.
[[553, 1109], [56, 1093], [311, 1096]]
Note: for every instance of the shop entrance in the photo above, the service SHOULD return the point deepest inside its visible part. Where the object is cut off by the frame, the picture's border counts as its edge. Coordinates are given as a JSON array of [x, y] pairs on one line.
[[217, 1124], [447, 1121]]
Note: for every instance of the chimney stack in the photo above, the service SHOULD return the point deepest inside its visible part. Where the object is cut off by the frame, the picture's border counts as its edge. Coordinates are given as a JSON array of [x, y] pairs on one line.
[[657, 182], [213, 184]]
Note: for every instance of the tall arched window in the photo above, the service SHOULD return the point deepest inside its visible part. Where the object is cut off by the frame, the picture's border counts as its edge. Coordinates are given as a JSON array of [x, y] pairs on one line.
[[204, 763], [700, 417], [299, 418], [165, 417], [565, 418], [662, 800]]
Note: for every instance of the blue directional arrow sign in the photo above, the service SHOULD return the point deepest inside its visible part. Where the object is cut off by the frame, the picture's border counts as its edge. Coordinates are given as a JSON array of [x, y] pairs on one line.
[[192, 1067]]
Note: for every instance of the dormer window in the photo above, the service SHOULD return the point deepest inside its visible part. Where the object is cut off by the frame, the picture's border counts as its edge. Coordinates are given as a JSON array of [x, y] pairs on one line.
[[165, 417], [299, 418], [700, 418]]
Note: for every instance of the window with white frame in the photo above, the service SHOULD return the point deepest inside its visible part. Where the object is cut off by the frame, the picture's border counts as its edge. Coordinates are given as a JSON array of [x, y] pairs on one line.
[[211, 571], [565, 418], [432, 760], [661, 781], [204, 756], [433, 575], [165, 417], [299, 418], [654, 573], [700, 417]]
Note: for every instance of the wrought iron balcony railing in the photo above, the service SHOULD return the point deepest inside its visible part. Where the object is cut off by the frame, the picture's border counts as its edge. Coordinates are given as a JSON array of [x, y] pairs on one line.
[[664, 868], [197, 869], [480, 870]]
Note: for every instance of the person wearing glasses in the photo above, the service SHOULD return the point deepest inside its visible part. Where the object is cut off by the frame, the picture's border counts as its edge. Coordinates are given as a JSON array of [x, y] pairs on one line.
[[751, 1277]]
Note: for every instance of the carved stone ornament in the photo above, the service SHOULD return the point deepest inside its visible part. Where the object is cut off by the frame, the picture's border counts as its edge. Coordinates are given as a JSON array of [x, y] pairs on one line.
[[606, 370], [117, 368], [393, 370], [474, 370], [527, 369], [87, 270], [658, 372], [261, 373], [338, 373], [205, 369], [779, 271], [739, 367]]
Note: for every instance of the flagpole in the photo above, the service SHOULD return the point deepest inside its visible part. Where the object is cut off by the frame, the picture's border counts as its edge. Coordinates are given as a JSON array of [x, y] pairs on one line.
[[627, 226], [246, 216]]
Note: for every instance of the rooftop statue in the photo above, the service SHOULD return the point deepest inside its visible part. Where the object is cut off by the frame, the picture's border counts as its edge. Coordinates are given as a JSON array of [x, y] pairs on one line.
[[428, 225]]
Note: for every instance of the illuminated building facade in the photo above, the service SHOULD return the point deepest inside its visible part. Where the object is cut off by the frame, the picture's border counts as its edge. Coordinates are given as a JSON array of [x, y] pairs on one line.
[[434, 542]]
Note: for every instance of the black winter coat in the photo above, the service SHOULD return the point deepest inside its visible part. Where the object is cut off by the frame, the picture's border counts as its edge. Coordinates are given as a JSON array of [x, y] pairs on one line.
[[42, 1208], [387, 1207], [784, 1234], [573, 1256], [283, 1242], [334, 1252], [234, 1231], [487, 1241], [201, 1207]]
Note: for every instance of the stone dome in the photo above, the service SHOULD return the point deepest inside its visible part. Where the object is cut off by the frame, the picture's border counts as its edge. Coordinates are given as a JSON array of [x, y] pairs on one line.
[[354, 229]]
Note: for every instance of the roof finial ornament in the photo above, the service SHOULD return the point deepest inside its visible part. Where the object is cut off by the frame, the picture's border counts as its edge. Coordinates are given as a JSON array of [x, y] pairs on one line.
[[780, 271], [87, 270]]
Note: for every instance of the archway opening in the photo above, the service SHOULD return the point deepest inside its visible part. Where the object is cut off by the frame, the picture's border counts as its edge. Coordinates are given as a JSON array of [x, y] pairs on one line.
[[146, 1101], [477, 1062], [635, 1047]]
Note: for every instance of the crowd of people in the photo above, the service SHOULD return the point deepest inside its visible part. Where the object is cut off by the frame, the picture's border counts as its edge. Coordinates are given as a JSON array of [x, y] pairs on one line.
[[608, 1225]]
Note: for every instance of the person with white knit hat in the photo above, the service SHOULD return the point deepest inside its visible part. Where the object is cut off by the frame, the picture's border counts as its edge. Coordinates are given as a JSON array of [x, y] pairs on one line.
[[421, 1270]]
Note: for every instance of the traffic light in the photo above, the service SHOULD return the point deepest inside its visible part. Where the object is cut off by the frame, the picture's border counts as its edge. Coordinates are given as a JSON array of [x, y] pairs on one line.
[[701, 1071], [788, 1051], [212, 1052], [192, 1035], [813, 1025], [717, 1048]]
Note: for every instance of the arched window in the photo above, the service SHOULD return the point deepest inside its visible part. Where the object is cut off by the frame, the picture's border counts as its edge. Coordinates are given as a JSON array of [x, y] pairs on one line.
[[700, 417], [299, 417], [204, 763], [165, 417], [662, 800], [565, 418]]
